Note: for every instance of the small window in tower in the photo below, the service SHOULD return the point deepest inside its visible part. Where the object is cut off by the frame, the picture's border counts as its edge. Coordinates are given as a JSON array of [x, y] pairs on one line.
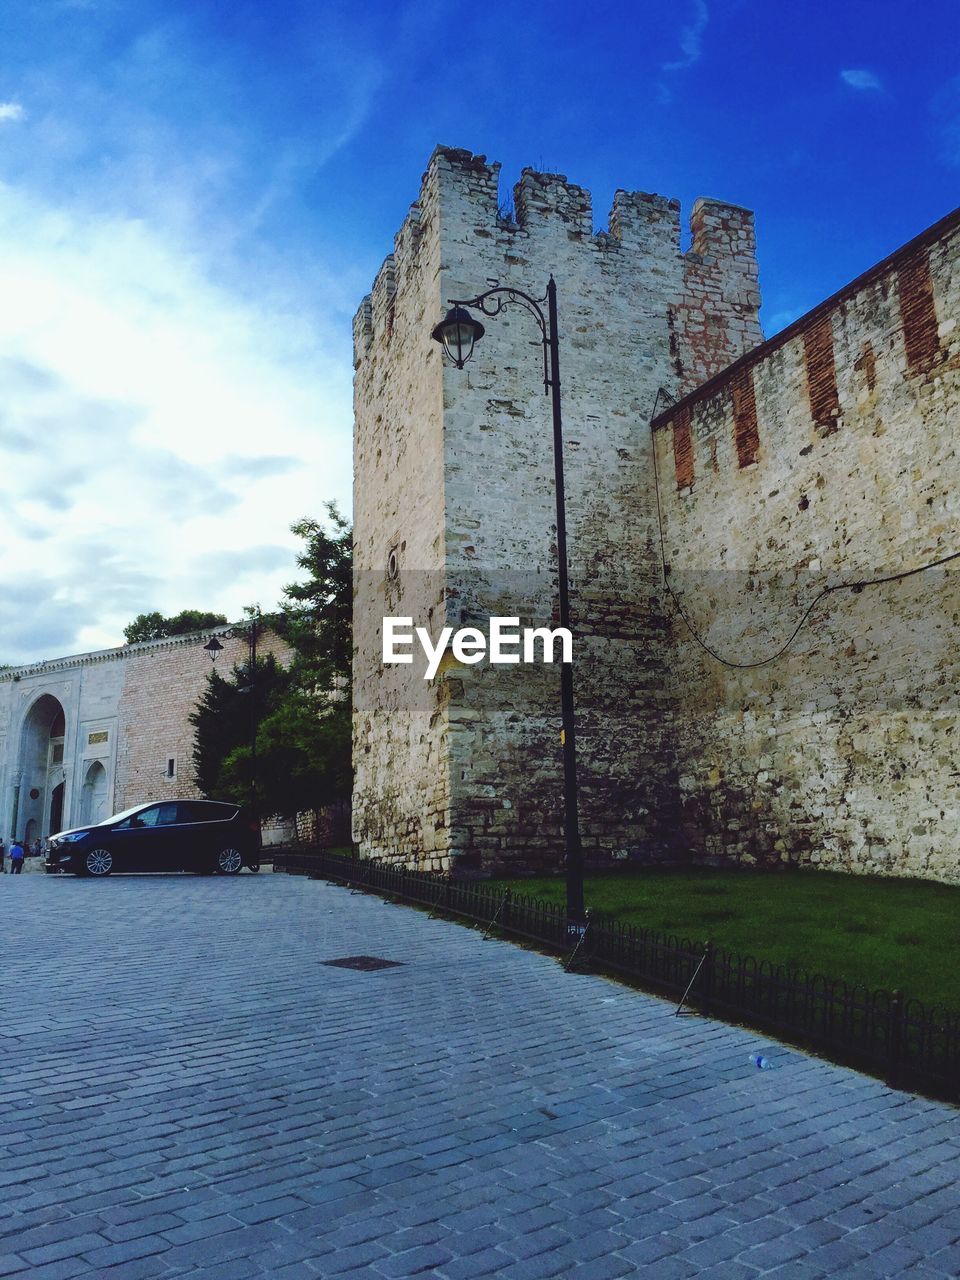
[[171, 767], [393, 564]]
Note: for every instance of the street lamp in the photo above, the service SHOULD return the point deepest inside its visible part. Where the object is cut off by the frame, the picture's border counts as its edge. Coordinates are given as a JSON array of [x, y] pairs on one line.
[[214, 648], [458, 333]]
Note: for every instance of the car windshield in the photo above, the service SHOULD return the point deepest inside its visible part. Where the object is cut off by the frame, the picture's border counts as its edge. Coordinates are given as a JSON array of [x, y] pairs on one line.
[[118, 817]]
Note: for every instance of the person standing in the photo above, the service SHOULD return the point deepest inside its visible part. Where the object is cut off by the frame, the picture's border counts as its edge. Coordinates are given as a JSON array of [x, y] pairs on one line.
[[16, 858]]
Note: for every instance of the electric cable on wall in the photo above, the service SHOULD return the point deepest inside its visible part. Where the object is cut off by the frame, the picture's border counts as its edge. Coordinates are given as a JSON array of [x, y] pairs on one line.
[[855, 587]]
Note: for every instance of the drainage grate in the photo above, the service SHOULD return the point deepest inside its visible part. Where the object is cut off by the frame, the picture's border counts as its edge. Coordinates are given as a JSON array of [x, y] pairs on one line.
[[366, 963]]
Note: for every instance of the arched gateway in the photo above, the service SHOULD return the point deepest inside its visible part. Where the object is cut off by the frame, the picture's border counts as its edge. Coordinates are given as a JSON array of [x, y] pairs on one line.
[[85, 735], [38, 794]]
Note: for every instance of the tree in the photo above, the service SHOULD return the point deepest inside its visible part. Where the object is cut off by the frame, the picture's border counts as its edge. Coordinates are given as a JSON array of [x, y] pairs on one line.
[[154, 626], [303, 757], [303, 714], [317, 613], [224, 722]]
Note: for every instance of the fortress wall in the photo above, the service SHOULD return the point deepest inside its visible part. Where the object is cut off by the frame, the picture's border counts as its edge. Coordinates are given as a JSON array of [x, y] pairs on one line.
[[401, 798], [825, 457], [614, 293], [456, 467]]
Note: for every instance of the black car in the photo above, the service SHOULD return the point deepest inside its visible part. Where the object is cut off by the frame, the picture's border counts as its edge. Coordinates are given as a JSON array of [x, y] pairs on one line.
[[166, 835]]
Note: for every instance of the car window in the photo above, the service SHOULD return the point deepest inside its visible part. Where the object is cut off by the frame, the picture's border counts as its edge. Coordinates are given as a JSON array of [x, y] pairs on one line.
[[120, 819], [158, 815], [191, 812], [205, 811], [144, 818]]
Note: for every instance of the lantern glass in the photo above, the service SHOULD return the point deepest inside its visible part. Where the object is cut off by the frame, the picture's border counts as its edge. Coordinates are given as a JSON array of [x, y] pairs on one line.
[[458, 332]]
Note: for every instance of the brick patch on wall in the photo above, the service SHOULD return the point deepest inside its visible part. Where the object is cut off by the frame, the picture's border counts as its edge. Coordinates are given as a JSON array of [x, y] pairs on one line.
[[683, 448], [821, 373], [918, 313], [745, 429]]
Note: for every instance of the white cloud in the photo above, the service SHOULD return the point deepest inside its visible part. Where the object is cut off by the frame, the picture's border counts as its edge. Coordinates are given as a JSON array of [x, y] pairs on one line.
[[175, 359], [691, 39], [151, 411], [861, 79]]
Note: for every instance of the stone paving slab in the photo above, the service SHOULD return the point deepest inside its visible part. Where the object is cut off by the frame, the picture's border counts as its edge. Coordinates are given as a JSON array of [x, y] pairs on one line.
[[189, 1091]]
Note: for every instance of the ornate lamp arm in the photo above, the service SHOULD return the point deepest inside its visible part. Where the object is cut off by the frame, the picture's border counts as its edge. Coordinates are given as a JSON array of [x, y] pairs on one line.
[[495, 299]]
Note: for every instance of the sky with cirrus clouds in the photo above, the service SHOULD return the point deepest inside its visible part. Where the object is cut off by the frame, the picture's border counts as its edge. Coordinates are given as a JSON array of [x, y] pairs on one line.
[[195, 196]]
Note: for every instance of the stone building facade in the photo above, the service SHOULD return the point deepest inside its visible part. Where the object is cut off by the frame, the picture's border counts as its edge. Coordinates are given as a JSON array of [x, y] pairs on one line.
[[86, 736], [825, 452]]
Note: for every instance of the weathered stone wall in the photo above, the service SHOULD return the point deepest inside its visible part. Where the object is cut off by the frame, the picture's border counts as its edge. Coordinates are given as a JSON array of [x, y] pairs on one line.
[[824, 458], [454, 469], [401, 794]]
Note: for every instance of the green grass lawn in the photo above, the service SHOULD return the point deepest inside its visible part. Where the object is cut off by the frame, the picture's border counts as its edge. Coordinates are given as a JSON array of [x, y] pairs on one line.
[[880, 932]]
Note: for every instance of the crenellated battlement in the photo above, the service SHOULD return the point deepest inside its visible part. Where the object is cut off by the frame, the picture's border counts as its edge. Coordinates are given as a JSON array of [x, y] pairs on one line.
[[540, 197], [713, 299], [646, 221], [722, 230], [382, 298]]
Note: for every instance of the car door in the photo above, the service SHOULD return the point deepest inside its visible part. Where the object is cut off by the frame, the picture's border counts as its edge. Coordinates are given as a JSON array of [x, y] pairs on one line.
[[204, 820], [136, 842], [167, 838], [182, 833]]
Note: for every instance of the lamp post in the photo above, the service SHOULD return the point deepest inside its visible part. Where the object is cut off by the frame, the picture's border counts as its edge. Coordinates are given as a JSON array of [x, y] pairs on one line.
[[458, 332]]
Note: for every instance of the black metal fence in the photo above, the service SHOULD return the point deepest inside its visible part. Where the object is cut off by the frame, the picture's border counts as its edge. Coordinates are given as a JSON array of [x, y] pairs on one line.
[[900, 1040]]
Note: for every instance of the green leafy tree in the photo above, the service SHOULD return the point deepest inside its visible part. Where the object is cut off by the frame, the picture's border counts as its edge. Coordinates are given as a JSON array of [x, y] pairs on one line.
[[154, 626], [317, 613], [303, 714], [224, 723], [303, 757]]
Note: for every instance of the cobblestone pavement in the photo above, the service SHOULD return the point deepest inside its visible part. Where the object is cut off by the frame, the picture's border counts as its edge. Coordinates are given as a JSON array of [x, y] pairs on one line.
[[189, 1091]]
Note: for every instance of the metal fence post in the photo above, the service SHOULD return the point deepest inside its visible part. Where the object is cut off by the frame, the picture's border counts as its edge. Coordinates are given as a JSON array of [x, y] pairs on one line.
[[582, 943], [895, 1038], [503, 906], [708, 976]]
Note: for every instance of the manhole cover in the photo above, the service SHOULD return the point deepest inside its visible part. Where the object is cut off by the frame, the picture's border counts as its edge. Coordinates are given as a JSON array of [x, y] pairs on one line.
[[362, 962]]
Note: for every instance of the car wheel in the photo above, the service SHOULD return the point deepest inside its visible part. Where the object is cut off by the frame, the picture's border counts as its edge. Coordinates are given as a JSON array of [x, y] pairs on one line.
[[229, 861], [98, 862]]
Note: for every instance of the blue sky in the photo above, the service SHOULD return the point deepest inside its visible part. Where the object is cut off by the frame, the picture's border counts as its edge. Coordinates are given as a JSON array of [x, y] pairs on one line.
[[195, 196]]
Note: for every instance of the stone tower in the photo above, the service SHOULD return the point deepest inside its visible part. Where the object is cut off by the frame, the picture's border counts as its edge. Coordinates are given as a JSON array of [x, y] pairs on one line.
[[455, 517]]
